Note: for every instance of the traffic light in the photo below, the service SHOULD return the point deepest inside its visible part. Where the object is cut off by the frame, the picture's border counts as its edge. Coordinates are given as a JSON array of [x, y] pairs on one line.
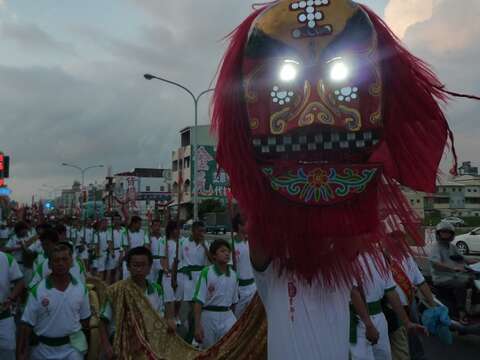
[[4, 166]]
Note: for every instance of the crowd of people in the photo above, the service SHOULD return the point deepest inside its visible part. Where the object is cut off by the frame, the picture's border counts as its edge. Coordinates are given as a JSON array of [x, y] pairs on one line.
[[196, 285], [193, 283]]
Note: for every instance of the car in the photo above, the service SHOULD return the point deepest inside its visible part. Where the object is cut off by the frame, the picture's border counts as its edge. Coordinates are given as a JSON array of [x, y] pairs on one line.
[[455, 221], [216, 229], [468, 243]]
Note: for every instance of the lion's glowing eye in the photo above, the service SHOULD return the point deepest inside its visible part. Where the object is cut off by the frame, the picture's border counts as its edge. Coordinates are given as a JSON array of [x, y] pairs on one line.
[[289, 70], [339, 71]]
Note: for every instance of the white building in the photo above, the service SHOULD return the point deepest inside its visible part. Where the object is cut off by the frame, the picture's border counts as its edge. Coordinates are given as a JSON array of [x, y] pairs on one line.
[[142, 190]]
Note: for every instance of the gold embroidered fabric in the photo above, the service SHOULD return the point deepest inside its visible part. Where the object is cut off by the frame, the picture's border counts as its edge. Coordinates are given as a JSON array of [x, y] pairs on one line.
[[142, 334]]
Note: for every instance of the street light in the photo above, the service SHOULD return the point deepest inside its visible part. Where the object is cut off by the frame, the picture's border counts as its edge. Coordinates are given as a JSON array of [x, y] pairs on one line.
[[83, 171], [196, 99]]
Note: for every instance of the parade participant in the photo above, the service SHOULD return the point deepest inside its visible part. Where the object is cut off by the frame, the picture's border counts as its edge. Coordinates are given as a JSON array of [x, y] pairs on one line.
[[309, 101], [57, 310], [139, 262], [216, 293], [16, 244], [133, 237], [115, 247], [193, 257], [408, 279], [41, 270], [101, 239], [172, 282], [374, 284], [10, 274], [158, 247], [448, 270], [244, 267]]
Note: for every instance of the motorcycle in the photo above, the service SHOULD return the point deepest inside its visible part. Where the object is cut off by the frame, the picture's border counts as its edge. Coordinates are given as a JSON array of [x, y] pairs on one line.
[[472, 305]]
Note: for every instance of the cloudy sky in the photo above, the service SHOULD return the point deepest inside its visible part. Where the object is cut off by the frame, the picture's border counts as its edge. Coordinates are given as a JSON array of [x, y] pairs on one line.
[[71, 86]]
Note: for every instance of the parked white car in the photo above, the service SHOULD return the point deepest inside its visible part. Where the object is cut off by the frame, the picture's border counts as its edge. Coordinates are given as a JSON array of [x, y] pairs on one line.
[[455, 221], [468, 243]]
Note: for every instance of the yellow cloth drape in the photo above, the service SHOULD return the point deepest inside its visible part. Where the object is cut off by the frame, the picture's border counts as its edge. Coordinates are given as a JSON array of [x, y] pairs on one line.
[[141, 333]]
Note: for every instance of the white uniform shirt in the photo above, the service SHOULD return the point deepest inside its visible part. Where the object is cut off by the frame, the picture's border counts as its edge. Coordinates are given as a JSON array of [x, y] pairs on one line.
[[13, 242], [410, 268], [158, 249], [36, 247], [134, 239], [41, 270], [305, 322], [191, 253], [101, 240], [117, 239], [54, 313], [244, 266], [172, 252], [215, 288], [9, 272], [374, 283]]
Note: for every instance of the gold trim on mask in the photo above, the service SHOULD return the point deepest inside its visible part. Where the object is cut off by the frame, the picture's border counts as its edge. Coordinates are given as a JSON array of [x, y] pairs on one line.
[[279, 22]]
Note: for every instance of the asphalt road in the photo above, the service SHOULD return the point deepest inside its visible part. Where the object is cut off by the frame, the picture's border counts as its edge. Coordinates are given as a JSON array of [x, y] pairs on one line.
[[463, 348]]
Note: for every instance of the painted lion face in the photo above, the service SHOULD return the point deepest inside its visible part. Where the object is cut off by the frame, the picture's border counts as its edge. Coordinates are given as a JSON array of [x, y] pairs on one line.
[[313, 92]]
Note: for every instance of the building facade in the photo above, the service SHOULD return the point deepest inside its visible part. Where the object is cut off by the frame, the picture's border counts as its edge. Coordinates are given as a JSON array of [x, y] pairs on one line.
[[142, 191], [211, 183]]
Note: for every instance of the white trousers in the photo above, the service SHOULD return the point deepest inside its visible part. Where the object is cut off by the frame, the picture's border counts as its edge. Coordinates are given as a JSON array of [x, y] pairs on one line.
[[215, 325], [65, 352], [189, 285], [245, 296], [7, 339], [363, 350]]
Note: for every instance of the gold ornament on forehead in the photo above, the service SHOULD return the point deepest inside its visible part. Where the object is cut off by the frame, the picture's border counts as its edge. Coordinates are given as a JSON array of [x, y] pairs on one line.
[[306, 25]]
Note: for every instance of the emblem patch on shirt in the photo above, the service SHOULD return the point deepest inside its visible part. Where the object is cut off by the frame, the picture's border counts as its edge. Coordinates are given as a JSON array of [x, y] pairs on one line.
[[211, 289]]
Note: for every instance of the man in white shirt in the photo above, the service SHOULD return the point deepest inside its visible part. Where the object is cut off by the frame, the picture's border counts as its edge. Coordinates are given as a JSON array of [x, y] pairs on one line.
[[216, 293], [57, 310], [243, 266], [375, 283], [158, 248], [139, 262], [41, 270], [9, 274], [133, 237], [101, 241], [193, 257], [115, 245], [16, 244]]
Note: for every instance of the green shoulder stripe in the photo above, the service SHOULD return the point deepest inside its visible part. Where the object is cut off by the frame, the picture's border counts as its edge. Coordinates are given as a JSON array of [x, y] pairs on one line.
[[33, 290], [158, 289], [203, 277], [10, 259], [81, 265]]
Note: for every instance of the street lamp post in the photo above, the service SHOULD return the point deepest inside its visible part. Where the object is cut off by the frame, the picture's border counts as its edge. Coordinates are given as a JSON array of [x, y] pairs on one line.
[[196, 100], [83, 171]]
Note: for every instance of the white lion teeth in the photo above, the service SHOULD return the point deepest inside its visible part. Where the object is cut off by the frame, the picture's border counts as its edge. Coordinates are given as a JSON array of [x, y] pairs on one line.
[[348, 141]]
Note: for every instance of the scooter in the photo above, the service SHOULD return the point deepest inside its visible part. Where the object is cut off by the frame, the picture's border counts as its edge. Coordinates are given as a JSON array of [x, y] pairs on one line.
[[472, 306]]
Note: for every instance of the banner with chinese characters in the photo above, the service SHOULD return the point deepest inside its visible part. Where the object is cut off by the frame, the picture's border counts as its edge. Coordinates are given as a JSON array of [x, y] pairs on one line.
[[211, 183]]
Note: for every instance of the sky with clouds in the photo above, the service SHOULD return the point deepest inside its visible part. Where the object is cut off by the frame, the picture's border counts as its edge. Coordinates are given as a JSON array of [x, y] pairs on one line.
[[71, 85]]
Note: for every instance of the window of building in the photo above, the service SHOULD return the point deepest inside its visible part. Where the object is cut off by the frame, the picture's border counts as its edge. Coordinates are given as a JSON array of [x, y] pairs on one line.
[[162, 188], [186, 162], [175, 165], [147, 202], [147, 188], [418, 201], [412, 201]]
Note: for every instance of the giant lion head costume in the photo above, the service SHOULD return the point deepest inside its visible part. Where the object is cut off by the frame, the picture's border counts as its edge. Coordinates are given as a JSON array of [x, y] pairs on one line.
[[321, 116]]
